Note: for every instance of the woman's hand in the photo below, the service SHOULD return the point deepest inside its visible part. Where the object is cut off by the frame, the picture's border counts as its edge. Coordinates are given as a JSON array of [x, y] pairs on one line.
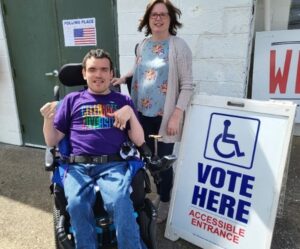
[[118, 81], [174, 122]]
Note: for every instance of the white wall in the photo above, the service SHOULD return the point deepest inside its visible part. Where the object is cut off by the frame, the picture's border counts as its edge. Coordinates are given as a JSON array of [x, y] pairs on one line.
[[278, 15], [9, 119], [219, 33]]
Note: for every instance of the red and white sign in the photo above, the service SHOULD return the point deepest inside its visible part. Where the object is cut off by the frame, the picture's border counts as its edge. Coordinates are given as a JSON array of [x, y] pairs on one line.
[[276, 71], [229, 172]]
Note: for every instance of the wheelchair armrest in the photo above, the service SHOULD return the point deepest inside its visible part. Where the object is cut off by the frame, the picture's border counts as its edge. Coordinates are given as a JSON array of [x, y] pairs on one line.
[[154, 163], [157, 165], [167, 161], [50, 158]]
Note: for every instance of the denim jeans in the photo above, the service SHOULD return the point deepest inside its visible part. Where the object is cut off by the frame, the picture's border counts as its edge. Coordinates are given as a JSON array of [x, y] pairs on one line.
[[114, 180]]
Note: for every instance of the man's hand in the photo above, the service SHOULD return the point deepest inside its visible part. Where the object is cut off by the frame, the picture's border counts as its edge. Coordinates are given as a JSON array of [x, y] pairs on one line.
[[121, 116], [48, 110], [174, 122], [124, 115], [52, 136]]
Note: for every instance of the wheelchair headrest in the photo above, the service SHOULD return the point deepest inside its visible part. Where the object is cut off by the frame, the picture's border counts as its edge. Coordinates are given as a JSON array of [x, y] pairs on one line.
[[71, 75]]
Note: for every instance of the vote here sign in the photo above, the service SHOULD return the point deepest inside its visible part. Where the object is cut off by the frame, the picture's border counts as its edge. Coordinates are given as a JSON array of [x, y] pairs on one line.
[[229, 172]]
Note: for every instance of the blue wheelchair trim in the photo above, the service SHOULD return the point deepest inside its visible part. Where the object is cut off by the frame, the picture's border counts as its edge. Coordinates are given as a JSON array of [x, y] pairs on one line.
[[135, 165], [64, 147], [59, 174], [61, 170]]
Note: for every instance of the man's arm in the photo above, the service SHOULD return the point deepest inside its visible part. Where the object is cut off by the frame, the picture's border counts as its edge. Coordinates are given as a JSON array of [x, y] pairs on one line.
[[52, 136], [136, 132]]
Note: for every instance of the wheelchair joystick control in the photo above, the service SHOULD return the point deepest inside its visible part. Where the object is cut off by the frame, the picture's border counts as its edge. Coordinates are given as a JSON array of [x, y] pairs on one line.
[[155, 137], [156, 164]]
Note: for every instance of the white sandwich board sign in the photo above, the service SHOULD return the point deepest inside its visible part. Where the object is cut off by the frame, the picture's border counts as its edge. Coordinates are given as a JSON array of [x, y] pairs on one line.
[[229, 172], [276, 70]]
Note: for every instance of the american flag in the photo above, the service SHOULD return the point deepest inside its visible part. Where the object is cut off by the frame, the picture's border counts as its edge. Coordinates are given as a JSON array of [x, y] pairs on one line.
[[85, 36]]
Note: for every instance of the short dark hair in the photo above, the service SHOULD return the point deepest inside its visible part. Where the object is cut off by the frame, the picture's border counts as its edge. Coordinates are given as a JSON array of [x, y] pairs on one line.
[[174, 14], [98, 54]]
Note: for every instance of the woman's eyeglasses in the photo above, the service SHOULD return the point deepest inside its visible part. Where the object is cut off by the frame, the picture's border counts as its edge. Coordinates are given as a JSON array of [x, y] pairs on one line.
[[161, 15]]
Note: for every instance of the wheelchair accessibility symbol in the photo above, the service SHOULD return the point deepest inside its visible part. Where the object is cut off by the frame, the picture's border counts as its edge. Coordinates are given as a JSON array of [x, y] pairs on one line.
[[232, 139], [225, 137]]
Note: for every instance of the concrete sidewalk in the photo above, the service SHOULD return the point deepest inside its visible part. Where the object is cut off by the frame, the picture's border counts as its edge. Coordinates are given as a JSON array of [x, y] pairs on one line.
[[26, 206]]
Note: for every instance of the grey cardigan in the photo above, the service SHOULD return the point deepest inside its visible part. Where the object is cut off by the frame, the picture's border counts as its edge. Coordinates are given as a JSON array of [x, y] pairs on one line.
[[180, 83]]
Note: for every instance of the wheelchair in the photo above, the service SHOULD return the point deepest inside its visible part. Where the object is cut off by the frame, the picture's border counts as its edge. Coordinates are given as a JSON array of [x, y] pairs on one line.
[[145, 211]]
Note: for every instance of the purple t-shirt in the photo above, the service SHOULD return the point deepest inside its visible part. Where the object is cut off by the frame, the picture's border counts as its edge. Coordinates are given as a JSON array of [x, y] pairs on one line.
[[83, 117]]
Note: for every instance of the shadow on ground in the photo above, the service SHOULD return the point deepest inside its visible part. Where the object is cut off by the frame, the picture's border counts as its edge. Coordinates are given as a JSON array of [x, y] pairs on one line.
[[22, 176]]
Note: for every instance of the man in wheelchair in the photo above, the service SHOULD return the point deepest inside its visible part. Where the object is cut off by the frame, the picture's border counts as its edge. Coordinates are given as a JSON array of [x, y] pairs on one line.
[[97, 122]]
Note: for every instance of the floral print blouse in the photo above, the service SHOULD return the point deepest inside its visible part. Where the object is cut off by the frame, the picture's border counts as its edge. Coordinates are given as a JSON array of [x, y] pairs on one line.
[[150, 79]]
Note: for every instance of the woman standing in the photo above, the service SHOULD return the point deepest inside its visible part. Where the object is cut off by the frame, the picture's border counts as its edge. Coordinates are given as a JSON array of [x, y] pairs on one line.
[[162, 85]]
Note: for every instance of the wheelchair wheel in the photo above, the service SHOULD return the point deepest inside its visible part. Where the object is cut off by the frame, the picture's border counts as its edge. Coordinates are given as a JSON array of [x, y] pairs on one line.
[[147, 222], [56, 215], [61, 239]]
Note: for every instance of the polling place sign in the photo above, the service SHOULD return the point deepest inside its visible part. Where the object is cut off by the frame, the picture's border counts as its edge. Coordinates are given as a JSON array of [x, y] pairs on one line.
[[229, 172], [276, 70]]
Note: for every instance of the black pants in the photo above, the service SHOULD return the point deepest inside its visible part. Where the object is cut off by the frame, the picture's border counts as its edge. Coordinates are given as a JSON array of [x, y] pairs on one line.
[[151, 126]]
